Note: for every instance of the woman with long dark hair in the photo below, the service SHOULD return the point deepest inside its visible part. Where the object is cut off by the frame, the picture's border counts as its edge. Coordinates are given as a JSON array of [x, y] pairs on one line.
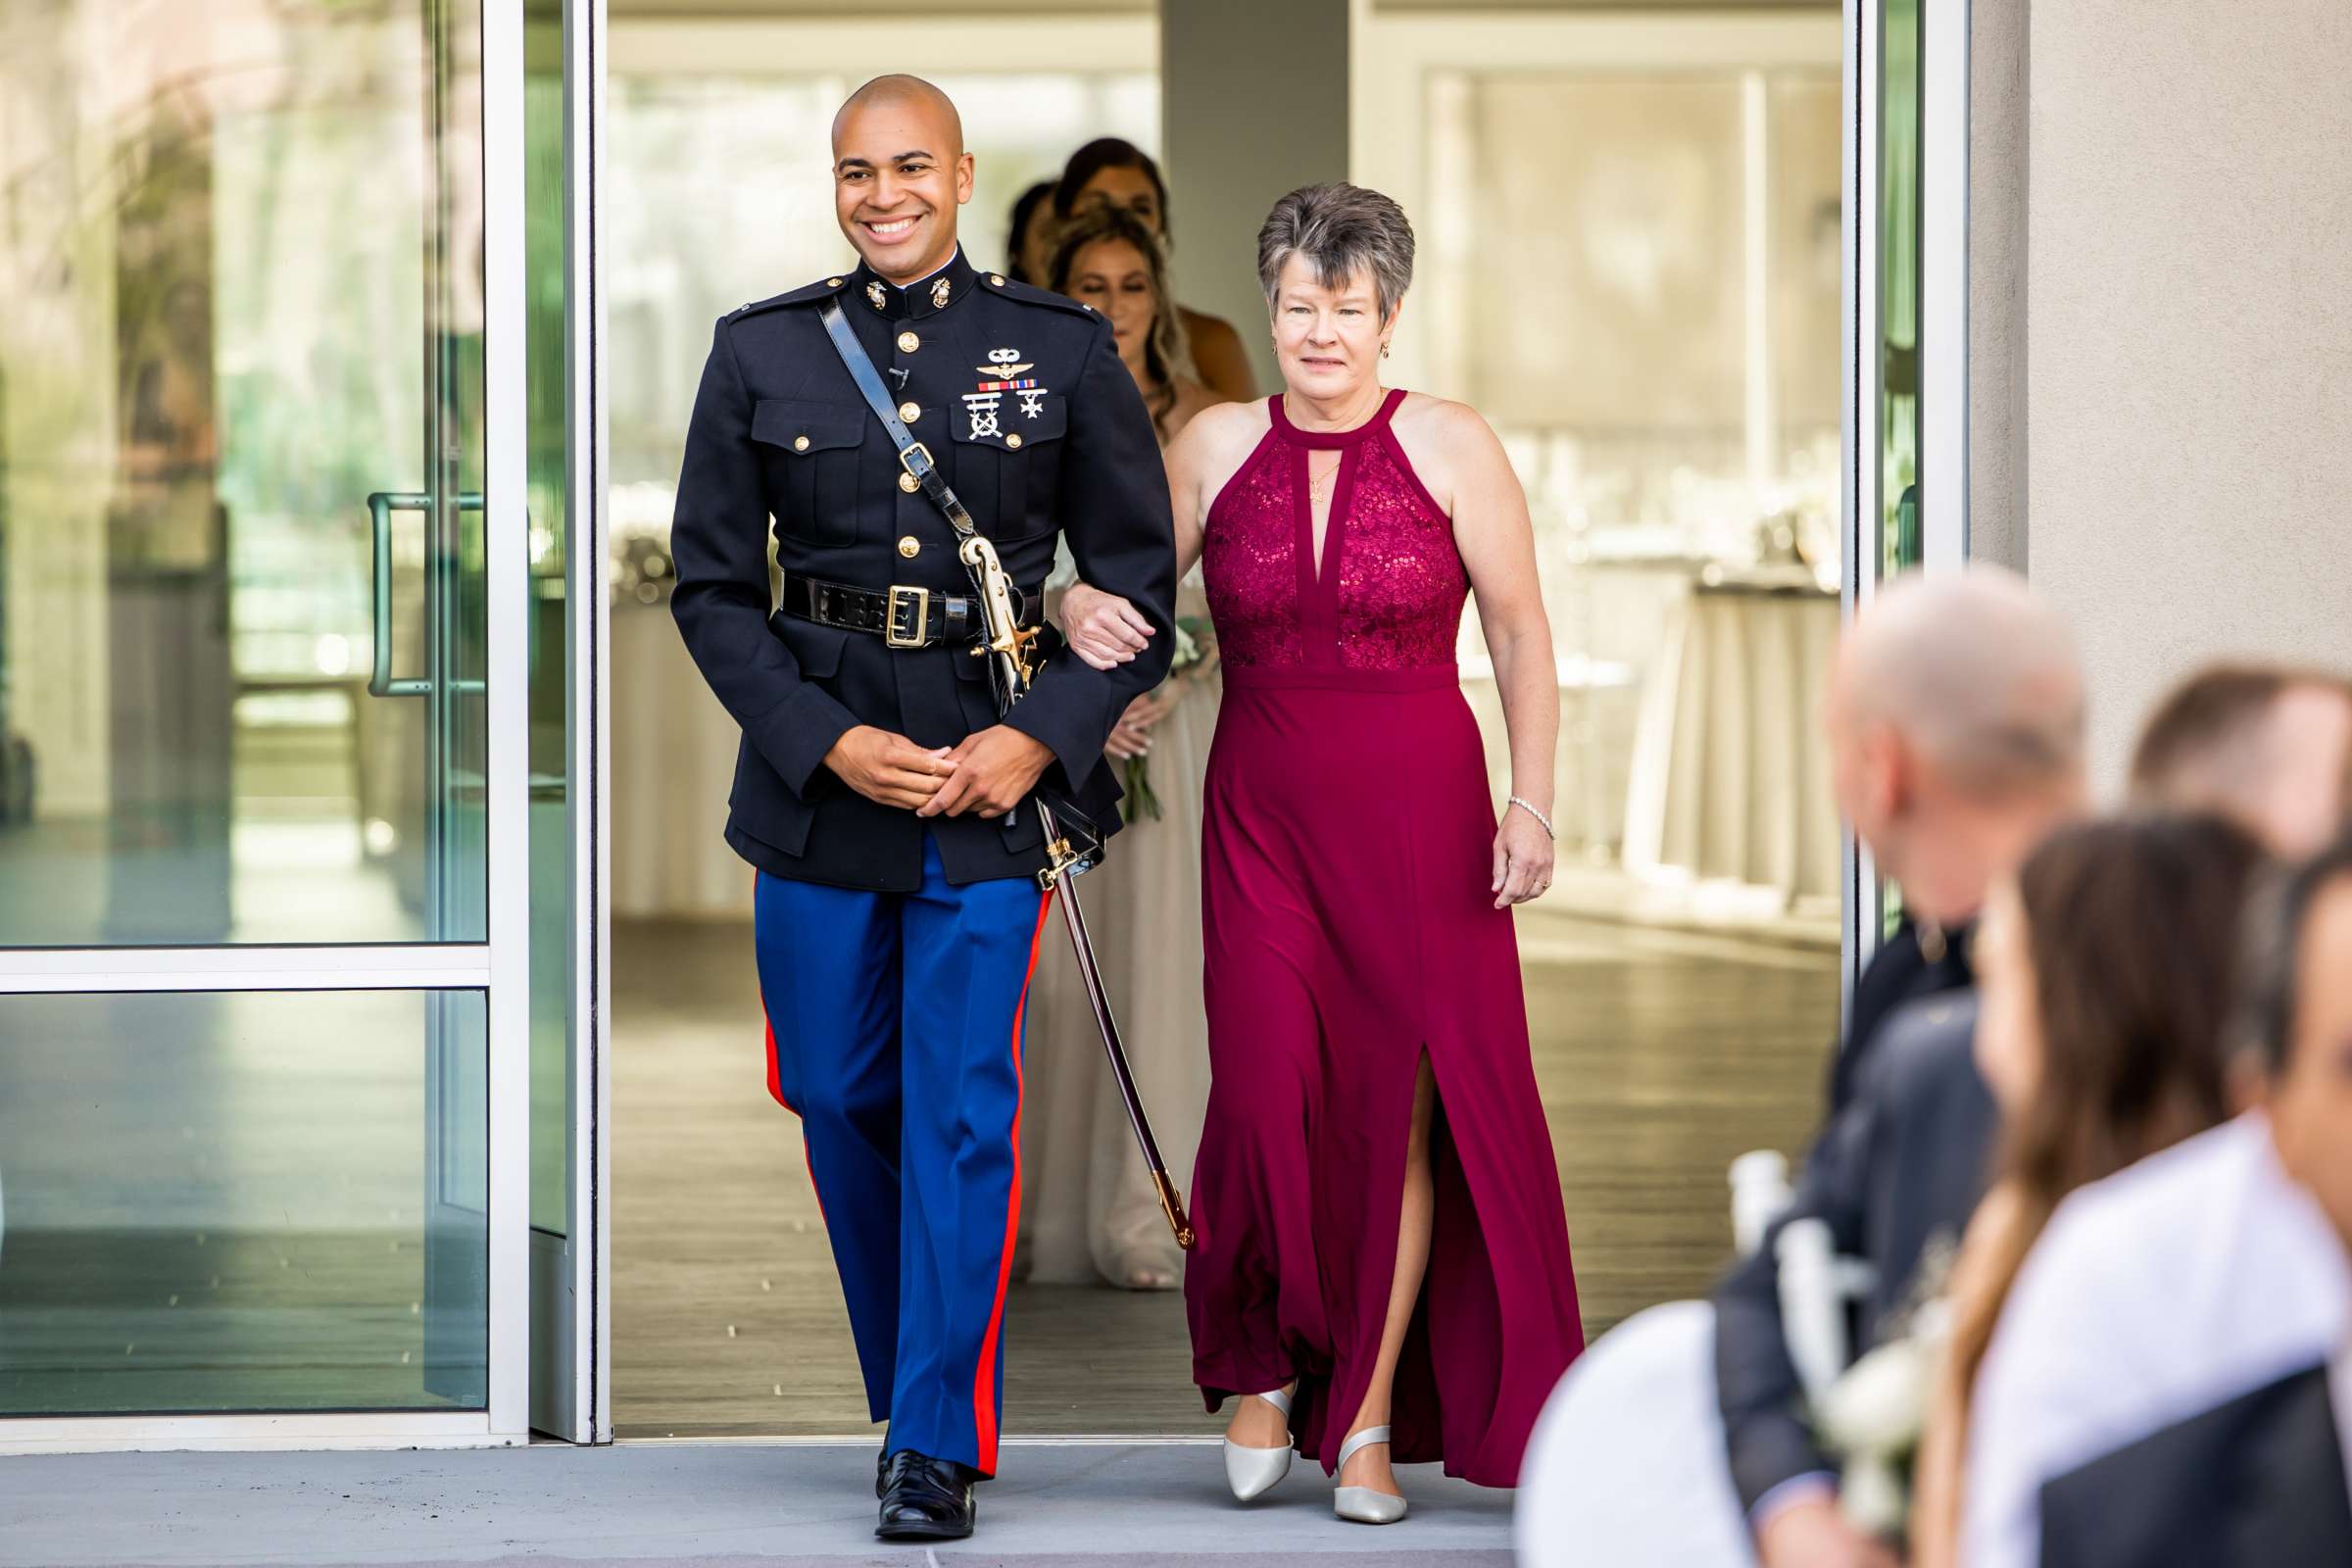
[[1114, 173], [1030, 235], [2105, 972]]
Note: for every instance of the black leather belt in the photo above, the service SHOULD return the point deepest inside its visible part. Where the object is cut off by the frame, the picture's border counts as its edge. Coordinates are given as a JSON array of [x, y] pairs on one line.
[[903, 617]]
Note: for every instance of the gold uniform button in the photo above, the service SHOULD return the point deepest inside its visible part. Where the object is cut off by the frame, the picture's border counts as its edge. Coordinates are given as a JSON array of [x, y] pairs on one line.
[[1013, 442], [909, 483], [909, 546], [832, 282], [800, 443], [909, 342], [910, 411], [996, 280]]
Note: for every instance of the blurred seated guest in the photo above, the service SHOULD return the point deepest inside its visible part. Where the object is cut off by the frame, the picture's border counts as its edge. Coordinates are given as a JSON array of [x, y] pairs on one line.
[[2103, 981], [1030, 236], [2265, 745], [2168, 1383], [1090, 1211], [1120, 173], [1955, 725]]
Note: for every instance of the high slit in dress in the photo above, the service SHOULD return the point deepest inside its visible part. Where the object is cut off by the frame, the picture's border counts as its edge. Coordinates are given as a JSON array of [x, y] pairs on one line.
[[1350, 931]]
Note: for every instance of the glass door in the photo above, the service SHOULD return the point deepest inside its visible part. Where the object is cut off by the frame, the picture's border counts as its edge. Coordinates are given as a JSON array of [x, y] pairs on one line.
[[264, 1000]]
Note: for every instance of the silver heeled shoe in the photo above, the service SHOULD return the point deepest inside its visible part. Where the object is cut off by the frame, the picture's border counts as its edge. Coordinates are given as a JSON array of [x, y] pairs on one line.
[[1253, 1472], [1361, 1504]]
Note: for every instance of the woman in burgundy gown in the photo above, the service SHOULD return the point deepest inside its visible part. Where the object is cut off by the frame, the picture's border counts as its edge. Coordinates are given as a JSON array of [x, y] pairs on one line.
[[1383, 1257]]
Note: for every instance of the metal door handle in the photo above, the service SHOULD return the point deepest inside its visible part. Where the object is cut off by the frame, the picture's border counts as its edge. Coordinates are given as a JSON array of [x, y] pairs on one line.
[[381, 506]]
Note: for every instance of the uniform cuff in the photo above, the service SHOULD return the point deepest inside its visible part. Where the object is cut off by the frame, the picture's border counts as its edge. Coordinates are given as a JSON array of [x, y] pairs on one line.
[[1077, 754], [1813, 1486], [795, 735]]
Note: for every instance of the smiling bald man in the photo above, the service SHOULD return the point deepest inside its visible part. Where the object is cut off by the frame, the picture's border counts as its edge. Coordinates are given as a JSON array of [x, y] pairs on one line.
[[877, 790]]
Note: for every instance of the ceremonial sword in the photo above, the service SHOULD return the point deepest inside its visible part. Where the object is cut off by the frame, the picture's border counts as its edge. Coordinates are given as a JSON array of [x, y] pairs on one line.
[[1008, 647]]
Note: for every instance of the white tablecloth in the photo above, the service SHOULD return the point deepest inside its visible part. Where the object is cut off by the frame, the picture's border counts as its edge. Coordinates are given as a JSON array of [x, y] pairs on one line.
[[1729, 776], [674, 763]]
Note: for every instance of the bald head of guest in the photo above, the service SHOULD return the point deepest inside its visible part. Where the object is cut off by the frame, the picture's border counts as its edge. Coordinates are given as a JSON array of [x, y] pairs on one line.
[[1956, 726], [2268, 746], [900, 172]]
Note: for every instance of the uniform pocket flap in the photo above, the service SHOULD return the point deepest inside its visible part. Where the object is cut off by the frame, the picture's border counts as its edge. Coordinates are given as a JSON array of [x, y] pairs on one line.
[[815, 649], [803, 427]]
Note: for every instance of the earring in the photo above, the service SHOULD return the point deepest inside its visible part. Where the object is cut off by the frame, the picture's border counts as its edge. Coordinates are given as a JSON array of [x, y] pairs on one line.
[[1384, 351]]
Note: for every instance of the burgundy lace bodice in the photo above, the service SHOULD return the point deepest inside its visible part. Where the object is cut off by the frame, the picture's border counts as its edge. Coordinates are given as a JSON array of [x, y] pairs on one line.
[[1394, 601]]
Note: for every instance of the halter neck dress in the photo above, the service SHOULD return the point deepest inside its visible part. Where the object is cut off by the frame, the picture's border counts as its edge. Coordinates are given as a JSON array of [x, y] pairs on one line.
[[1349, 932]]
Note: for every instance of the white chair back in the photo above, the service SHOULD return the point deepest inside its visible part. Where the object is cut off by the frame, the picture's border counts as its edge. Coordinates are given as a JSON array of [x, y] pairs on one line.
[[1626, 1466]]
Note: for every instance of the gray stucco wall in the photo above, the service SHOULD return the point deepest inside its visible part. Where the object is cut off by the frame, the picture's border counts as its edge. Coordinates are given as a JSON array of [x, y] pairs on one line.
[[1255, 104], [1998, 180], [2189, 301]]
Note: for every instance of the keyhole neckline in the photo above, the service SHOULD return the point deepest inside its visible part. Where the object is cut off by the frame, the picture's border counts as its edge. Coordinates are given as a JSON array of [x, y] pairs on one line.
[[1341, 439]]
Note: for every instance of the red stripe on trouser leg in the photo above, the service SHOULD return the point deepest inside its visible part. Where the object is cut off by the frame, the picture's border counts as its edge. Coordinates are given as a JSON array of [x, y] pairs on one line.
[[776, 1072], [984, 1381], [775, 1087]]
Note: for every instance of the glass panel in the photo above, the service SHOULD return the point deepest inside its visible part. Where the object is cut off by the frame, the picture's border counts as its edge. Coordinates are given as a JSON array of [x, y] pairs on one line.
[[1673, 411], [1899, 209], [241, 250], [549, 624], [230, 1202]]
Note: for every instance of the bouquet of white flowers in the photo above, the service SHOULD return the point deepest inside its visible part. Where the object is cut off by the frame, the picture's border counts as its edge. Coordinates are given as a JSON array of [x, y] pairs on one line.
[[1872, 1417], [1191, 638]]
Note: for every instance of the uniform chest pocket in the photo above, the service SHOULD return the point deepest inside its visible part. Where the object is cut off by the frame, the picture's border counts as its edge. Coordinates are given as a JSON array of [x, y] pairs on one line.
[[1009, 451], [809, 458]]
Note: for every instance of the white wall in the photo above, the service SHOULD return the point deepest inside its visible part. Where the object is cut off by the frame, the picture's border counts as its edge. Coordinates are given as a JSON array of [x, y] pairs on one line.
[[2189, 306]]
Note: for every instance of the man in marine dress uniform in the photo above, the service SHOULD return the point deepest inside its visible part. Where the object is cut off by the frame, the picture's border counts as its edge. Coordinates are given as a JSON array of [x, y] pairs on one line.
[[877, 791]]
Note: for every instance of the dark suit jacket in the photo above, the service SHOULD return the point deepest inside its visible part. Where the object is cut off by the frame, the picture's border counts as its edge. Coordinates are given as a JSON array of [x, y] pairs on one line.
[[2256, 1483], [1899, 1167], [1898, 974], [780, 435]]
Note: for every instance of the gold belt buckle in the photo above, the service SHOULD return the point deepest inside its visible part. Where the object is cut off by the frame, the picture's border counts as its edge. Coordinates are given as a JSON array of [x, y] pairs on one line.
[[920, 598], [907, 460]]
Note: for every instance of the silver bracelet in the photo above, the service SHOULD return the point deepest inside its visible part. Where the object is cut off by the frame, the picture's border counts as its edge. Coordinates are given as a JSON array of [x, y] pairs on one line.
[[1528, 807]]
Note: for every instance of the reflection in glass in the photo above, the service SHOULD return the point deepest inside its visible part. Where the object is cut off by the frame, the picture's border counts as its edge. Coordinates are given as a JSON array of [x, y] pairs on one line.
[[243, 271], [1899, 263], [545, 215], [243, 1202]]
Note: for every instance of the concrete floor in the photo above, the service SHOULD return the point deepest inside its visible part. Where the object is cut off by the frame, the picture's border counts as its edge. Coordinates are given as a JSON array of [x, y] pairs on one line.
[[708, 1506]]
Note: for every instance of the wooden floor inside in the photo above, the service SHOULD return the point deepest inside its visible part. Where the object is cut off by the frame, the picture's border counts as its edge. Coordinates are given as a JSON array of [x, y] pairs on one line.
[[1661, 1055]]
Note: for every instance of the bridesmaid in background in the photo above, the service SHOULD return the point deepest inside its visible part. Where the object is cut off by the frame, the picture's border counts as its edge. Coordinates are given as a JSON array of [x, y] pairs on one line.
[[1090, 1212], [1382, 1275], [1029, 236], [1118, 173]]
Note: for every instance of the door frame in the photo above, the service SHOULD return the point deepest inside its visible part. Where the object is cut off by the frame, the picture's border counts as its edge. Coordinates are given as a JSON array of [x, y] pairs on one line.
[[500, 965], [587, 1350], [1943, 351]]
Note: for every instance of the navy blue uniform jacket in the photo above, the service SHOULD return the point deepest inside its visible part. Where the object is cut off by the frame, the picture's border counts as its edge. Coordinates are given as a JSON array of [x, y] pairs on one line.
[[1021, 398]]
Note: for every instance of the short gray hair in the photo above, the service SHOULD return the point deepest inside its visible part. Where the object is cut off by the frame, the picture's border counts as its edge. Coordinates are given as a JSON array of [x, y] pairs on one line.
[[1340, 229]]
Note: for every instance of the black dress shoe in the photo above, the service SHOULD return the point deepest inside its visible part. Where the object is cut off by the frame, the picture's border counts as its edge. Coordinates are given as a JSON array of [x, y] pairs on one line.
[[881, 1471], [924, 1499]]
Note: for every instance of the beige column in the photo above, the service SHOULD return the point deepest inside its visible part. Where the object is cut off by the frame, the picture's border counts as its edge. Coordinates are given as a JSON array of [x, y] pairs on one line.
[[1254, 103], [2189, 382], [1997, 79]]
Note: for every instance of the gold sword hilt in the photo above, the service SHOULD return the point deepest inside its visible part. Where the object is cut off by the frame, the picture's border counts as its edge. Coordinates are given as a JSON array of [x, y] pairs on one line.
[[1006, 637]]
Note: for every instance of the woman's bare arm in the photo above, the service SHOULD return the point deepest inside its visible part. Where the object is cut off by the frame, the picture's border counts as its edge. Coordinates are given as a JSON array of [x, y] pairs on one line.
[[1498, 544]]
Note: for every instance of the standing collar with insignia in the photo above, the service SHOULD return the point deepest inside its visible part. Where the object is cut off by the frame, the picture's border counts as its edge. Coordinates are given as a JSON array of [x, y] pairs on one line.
[[926, 297]]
